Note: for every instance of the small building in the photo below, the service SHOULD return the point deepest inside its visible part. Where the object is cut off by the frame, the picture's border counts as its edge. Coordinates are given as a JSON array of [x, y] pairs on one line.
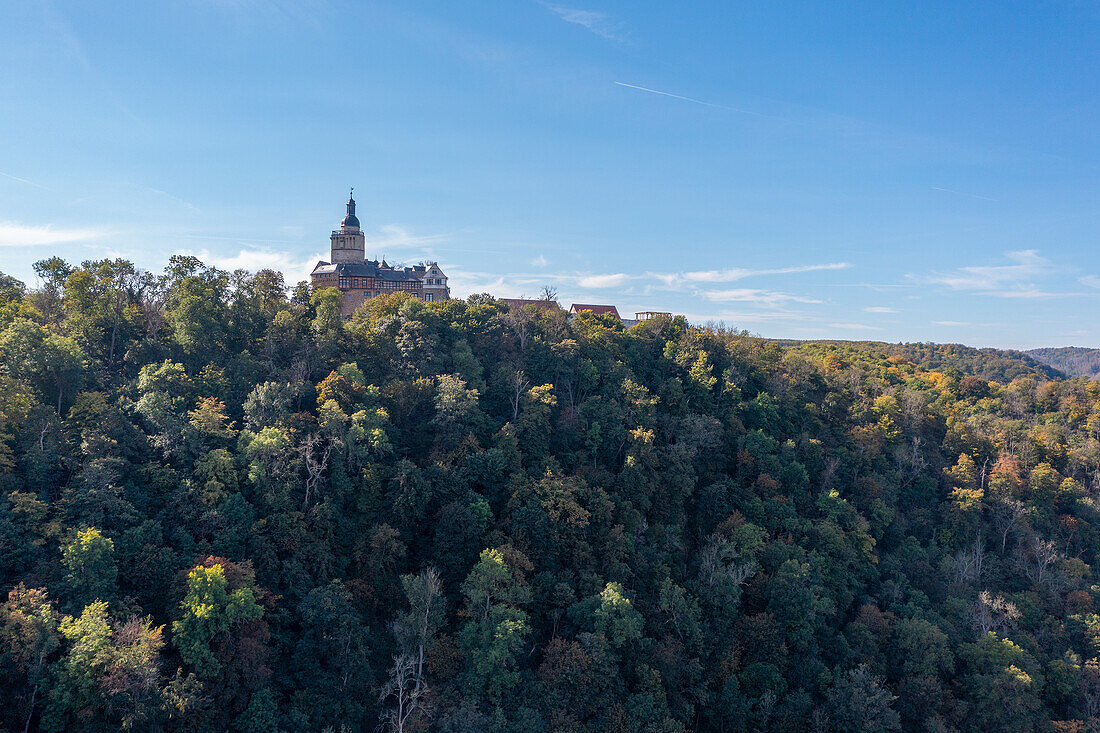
[[360, 279], [578, 308], [541, 303], [434, 281], [650, 315]]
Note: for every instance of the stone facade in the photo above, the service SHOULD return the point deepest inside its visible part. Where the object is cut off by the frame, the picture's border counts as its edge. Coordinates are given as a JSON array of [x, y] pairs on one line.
[[360, 279]]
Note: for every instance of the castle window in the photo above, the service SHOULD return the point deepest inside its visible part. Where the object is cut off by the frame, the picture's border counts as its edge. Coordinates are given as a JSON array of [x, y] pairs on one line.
[[343, 282], [427, 296]]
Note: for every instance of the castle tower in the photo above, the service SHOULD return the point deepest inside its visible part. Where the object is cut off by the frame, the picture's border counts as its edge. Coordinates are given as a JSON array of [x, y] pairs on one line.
[[348, 244]]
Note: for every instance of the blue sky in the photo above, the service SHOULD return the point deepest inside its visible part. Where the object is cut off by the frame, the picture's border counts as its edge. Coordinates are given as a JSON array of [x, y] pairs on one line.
[[881, 171]]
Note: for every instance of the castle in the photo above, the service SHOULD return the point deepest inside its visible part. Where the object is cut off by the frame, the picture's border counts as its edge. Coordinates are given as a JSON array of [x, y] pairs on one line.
[[360, 279]]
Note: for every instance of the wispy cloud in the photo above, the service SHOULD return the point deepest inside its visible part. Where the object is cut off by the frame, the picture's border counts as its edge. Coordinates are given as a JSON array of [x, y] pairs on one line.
[[13, 234], [394, 237], [1093, 281], [294, 269], [614, 280], [1018, 280], [733, 274], [961, 193], [879, 309], [680, 281], [175, 199], [855, 327], [464, 283], [389, 239], [601, 24], [752, 295], [780, 315], [966, 324]]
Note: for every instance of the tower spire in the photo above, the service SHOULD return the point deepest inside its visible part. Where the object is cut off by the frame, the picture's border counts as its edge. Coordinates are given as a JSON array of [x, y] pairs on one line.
[[348, 241], [351, 220]]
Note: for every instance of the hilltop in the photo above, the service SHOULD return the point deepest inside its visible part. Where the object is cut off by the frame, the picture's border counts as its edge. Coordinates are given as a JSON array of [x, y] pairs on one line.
[[1000, 365], [1074, 360], [223, 506]]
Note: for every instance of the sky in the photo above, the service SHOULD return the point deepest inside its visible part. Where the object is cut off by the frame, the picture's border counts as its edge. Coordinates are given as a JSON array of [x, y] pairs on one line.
[[872, 171]]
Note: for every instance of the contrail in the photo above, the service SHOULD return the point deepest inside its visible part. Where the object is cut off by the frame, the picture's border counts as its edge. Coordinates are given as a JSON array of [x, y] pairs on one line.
[[699, 101], [960, 193], [22, 180]]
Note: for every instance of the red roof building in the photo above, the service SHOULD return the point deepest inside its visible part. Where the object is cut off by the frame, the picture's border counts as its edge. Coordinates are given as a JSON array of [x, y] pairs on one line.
[[597, 309]]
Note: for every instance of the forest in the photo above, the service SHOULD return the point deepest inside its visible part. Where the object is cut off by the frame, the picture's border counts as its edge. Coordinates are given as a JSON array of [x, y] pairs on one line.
[[225, 507]]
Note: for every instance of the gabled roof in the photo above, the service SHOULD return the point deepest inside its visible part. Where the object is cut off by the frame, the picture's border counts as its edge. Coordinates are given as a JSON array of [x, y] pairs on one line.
[[538, 302], [597, 309]]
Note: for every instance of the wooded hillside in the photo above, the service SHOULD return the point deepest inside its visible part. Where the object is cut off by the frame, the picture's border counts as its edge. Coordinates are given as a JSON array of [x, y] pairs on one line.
[[1074, 360], [224, 507]]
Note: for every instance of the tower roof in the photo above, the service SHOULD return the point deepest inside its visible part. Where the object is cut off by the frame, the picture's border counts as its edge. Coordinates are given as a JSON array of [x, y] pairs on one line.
[[350, 220]]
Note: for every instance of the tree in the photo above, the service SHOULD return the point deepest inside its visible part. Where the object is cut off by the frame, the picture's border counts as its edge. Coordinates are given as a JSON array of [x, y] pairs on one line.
[[416, 627], [89, 557], [98, 300], [406, 690], [53, 272], [165, 393], [195, 300], [798, 601], [454, 403], [327, 323], [209, 610], [53, 363], [28, 636], [110, 674], [859, 702], [492, 638], [268, 405], [332, 655], [132, 675], [12, 292], [615, 617], [209, 420]]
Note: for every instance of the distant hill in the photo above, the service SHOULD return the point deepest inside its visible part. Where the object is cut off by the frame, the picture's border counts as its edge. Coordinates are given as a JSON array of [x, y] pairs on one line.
[[1074, 360], [999, 365]]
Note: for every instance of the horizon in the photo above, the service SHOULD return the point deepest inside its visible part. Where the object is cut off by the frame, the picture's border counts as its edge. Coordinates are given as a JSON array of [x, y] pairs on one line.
[[782, 170]]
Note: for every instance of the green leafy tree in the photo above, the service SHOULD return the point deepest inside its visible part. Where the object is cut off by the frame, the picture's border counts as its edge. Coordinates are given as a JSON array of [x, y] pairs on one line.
[[331, 656], [109, 677], [497, 628], [210, 609], [51, 362], [90, 560], [28, 636]]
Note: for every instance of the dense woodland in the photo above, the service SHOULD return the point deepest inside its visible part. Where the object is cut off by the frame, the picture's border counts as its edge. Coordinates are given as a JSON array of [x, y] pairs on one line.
[[1074, 360], [223, 507], [990, 364]]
